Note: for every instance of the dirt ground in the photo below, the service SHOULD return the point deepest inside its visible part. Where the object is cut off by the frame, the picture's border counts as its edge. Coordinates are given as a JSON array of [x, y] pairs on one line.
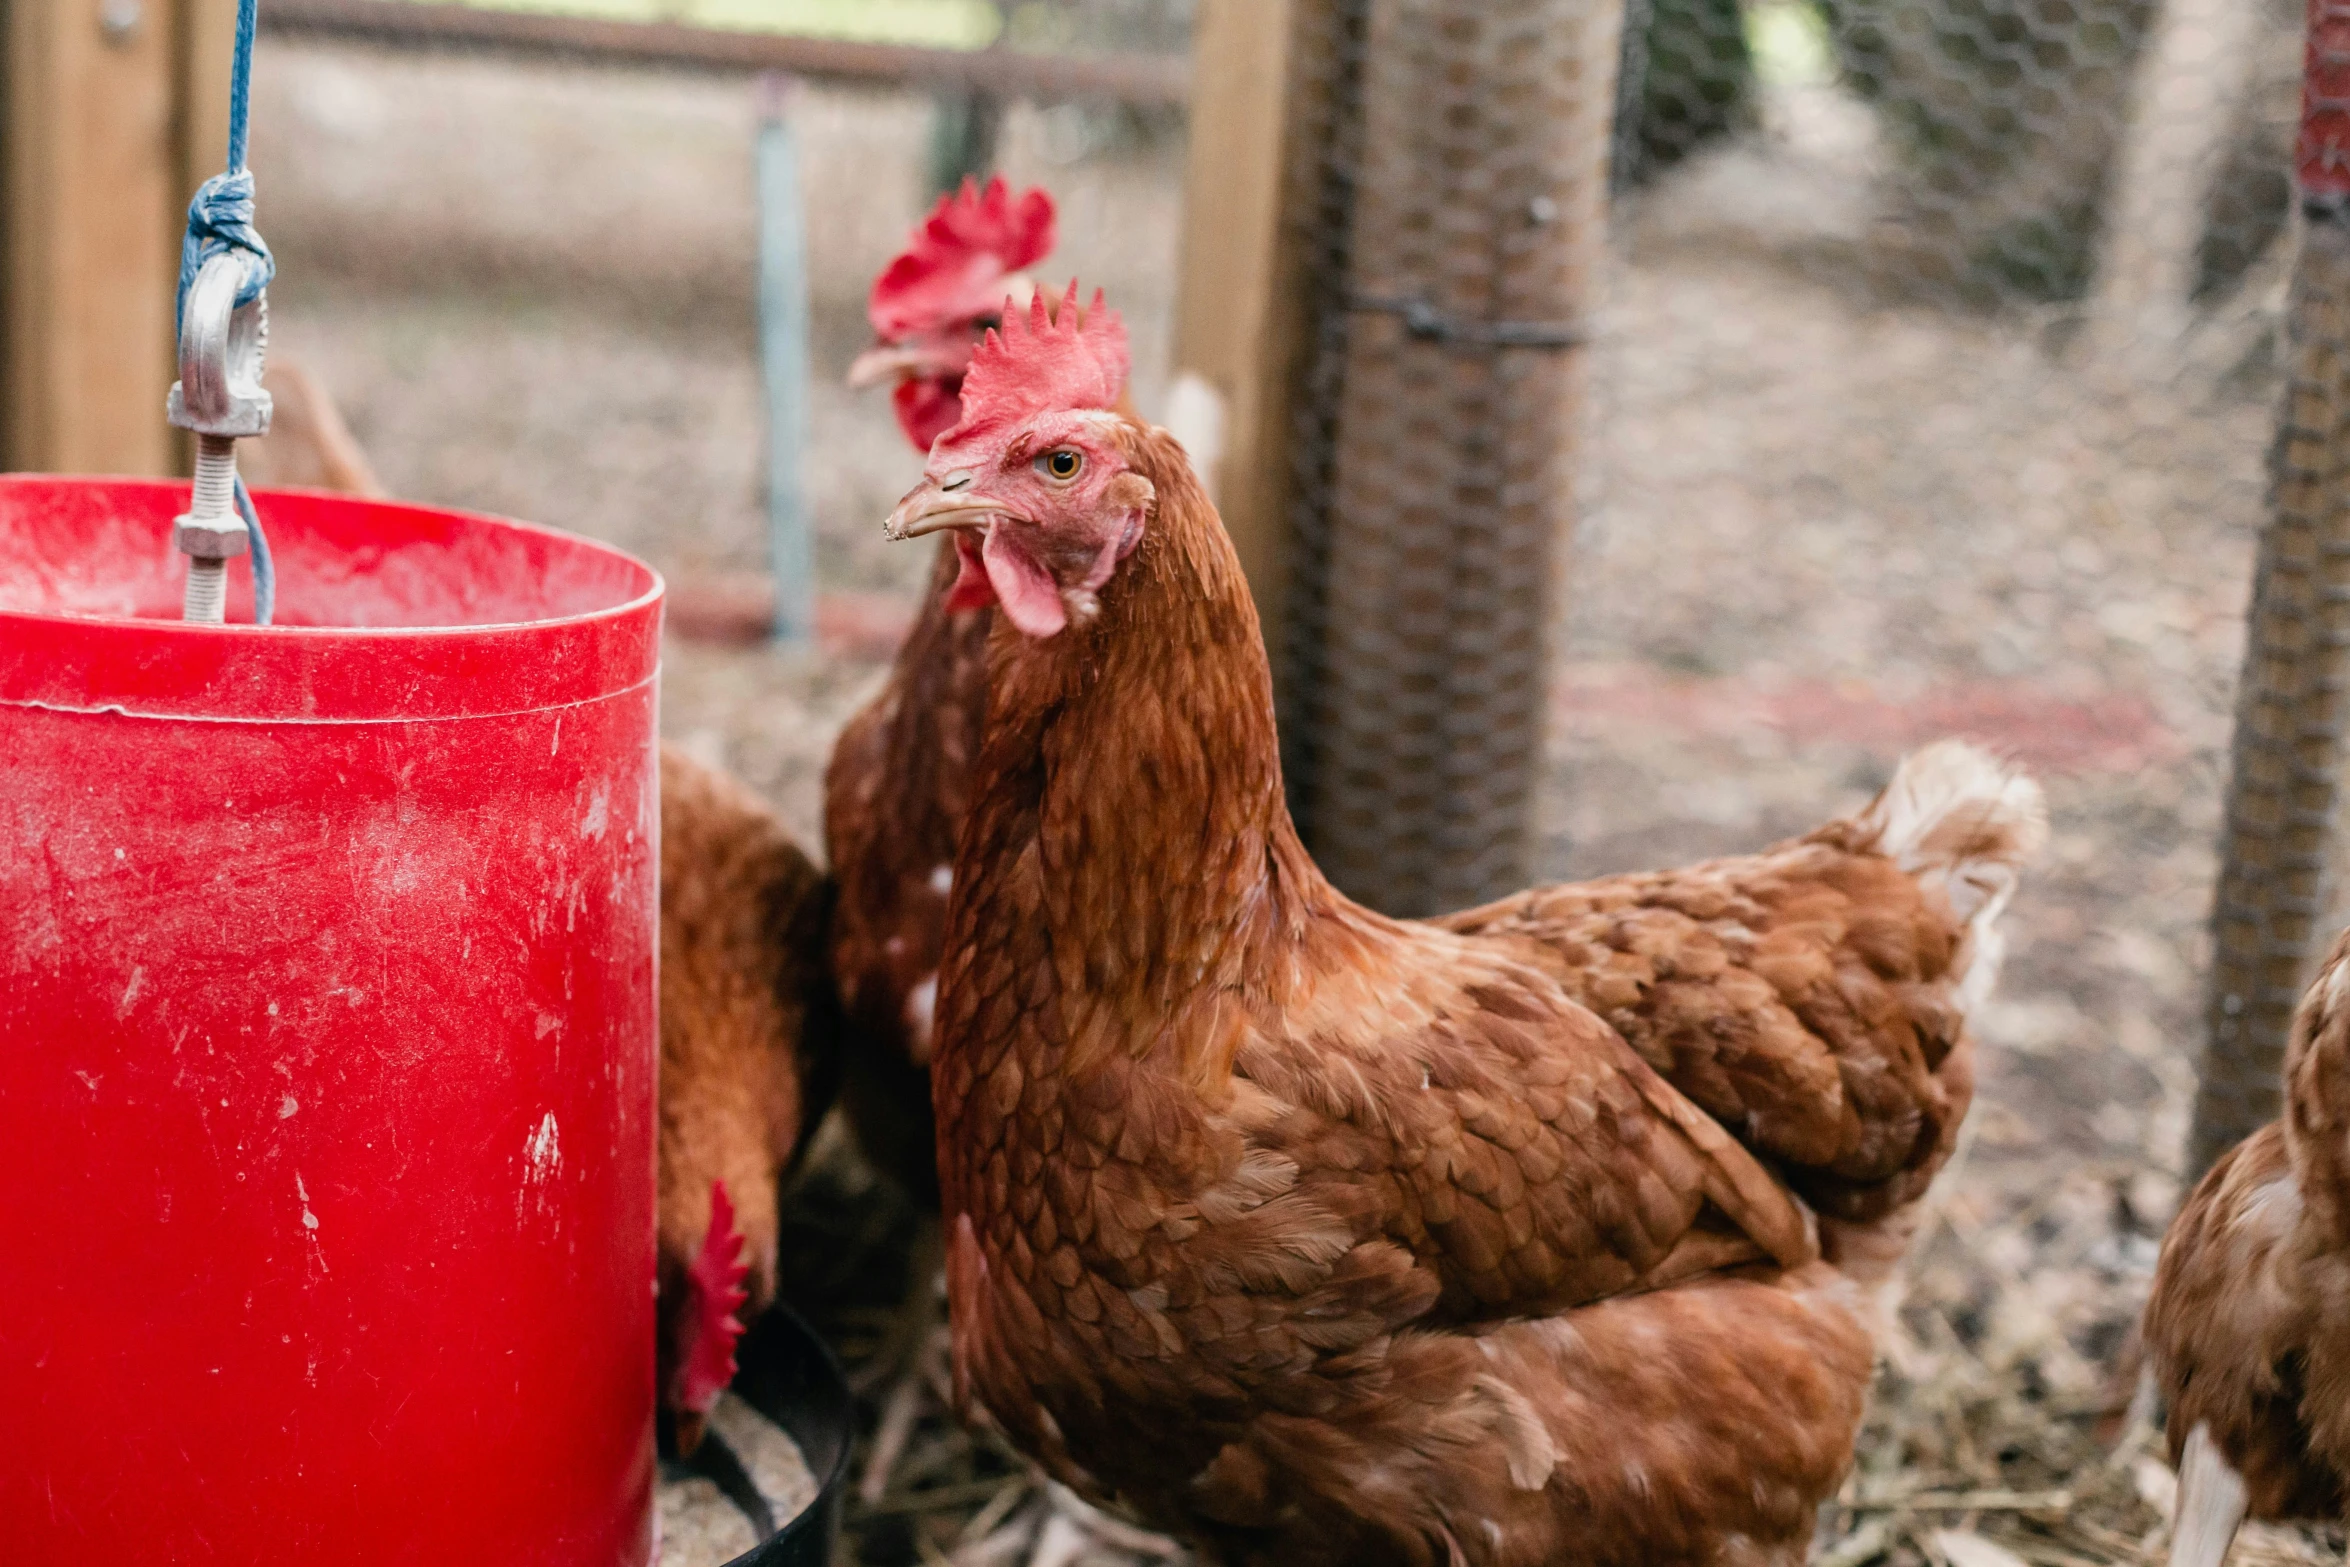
[[1824, 521]]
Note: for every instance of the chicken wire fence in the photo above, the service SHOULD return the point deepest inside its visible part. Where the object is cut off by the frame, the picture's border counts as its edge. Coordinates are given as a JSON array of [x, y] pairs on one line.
[[2033, 150], [1449, 174], [2095, 194], [1976, 279], [2106, 168]]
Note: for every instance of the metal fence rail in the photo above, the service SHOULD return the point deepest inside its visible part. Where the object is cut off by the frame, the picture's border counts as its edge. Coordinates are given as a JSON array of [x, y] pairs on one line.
[[1141, 80]]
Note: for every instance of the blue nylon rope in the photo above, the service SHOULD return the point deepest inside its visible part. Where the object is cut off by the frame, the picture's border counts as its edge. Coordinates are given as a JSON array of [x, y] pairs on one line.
[[221, 215], [264, 568], [220, 219], [240, 82]]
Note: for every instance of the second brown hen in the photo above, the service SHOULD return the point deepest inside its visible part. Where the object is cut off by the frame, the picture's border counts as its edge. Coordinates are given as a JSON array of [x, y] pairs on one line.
[[897, 787], [749, 1048]]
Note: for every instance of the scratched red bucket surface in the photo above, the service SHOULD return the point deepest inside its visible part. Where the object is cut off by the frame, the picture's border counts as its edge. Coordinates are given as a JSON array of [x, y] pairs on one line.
[[326, 1041]]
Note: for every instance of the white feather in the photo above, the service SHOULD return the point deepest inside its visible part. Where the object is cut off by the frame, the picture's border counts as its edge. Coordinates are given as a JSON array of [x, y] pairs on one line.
[[1962, 821], [1195, 417]]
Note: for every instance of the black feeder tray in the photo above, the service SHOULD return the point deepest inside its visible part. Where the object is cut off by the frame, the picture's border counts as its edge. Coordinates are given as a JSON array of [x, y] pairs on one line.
[[783, 1371]]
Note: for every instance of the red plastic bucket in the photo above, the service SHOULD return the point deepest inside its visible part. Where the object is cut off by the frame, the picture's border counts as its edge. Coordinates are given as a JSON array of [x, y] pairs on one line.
[[327, 1041]]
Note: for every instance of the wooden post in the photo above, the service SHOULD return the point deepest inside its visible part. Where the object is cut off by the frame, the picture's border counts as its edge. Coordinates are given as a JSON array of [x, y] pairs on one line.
[[1394, 227], [93, 179], [1477, 239], [2282, 836], [1239, 321], [2190, 81]]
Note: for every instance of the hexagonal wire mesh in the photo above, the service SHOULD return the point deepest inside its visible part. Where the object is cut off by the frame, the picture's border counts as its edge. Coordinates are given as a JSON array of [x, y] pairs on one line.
[[2100, 183], [2281, 875], [2282, 848], [1453, 176]]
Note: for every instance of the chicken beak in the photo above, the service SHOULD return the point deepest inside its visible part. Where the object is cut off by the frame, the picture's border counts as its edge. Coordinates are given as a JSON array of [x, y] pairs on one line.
[[934, 509], [886, 362]]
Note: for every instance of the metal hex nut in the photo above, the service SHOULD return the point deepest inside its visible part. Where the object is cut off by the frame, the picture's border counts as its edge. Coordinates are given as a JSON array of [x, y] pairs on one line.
[[242, 414], [210, 538]]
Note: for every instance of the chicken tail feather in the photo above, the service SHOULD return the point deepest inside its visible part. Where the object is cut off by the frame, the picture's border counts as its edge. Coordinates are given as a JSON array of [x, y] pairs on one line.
[[1958, 818]]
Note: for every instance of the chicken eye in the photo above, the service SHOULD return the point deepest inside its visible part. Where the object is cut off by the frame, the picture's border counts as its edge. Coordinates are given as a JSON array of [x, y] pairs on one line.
[[1061, 464]]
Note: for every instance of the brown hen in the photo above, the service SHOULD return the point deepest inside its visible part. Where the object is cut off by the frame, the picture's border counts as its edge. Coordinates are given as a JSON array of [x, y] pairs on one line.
[[896, 791], [749, 1046], [2248, 1329], [898, 784], [1324, 1237]]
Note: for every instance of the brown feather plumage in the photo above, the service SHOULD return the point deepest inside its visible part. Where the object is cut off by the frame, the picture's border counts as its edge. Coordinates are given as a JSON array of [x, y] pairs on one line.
[[896, 791], [2247, 1331], [1802, 996], [749, 1035], [1325, 1237]]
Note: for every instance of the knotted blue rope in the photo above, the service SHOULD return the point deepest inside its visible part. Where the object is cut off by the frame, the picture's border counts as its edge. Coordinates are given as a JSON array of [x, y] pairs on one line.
[[220, 220]]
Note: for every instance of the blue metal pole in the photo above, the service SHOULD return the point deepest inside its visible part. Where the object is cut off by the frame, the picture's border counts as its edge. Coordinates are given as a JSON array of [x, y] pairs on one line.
[[783, 357]]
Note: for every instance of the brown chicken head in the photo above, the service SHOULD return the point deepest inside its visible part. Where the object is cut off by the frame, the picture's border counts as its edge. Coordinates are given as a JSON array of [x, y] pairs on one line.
[[1036, 479], [932, 303]]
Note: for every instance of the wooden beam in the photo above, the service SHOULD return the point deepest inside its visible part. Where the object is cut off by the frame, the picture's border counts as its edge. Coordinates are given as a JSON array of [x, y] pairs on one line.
[[1007, 73], [1239, 317], [91, 175], [207, 44], [207, 41]]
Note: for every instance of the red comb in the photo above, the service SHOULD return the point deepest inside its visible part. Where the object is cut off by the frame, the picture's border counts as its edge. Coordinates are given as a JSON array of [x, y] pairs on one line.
[[716, 1279], [1069, 358], [954, 266]]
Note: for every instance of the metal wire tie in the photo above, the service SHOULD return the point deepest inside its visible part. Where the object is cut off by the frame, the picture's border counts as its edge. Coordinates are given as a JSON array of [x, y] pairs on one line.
[[1423, 320]]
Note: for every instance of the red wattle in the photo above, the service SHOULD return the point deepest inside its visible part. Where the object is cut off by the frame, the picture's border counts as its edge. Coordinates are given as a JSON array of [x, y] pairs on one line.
[[1024, 590], [970, 589]]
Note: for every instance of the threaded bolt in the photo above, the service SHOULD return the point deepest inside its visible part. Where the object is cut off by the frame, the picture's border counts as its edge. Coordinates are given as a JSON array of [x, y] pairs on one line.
[[216, 477], [207, 600], [211, 531]]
